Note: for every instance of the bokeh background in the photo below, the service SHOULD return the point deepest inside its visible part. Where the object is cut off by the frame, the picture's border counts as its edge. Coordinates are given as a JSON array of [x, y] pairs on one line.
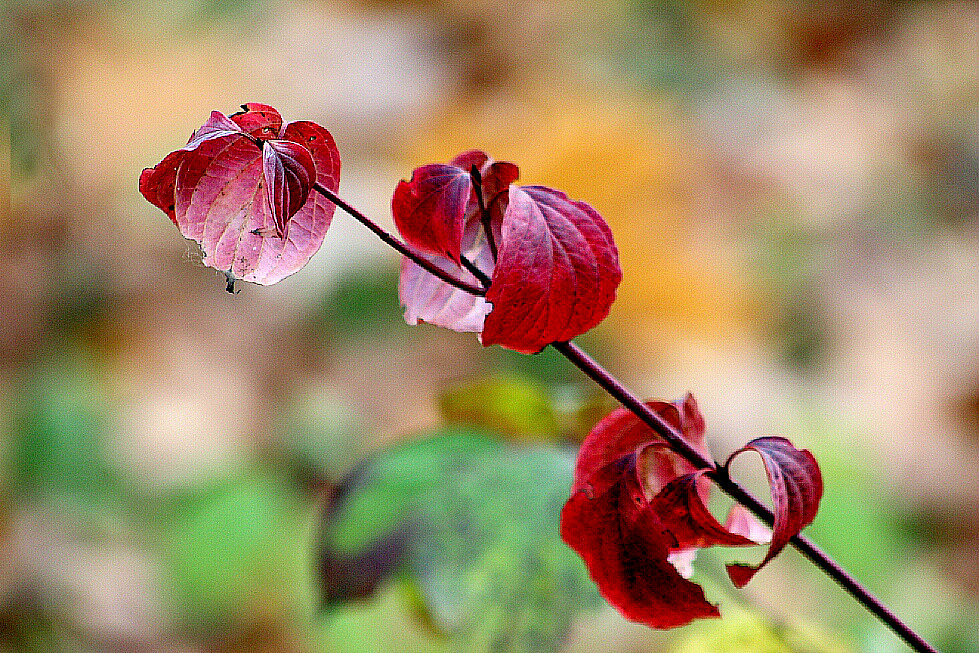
[[794, 189]]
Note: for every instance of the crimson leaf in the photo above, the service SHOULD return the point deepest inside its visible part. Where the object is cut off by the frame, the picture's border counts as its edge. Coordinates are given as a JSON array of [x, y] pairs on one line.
[[289, 177], [429, 210], [796, 485], [638, 513], [236, 200], [625, 550], [556, 274]]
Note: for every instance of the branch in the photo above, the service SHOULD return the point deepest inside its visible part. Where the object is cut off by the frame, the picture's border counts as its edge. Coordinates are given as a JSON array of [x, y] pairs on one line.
[[817, 556], [397, 244], [616, 389]]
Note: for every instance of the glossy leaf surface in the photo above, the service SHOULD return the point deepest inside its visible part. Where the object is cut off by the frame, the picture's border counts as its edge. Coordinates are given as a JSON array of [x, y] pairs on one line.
[[556, 274]]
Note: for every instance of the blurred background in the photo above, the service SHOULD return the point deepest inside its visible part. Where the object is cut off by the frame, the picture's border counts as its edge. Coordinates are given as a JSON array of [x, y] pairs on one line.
[[794, 190]]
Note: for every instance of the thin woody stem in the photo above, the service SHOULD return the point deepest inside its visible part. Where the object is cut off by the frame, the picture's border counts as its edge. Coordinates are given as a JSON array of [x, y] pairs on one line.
[[817, 556], [580, 359], [397, 244]]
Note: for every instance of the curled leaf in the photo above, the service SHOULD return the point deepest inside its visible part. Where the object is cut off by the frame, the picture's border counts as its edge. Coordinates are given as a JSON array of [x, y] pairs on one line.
[[638, 515], [429, 210], [625, 550], [289, 177], [796, 485]]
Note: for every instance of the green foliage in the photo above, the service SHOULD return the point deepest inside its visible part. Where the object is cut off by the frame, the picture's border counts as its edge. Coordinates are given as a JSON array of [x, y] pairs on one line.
[[60, 424], [234, 553], [483, 545]]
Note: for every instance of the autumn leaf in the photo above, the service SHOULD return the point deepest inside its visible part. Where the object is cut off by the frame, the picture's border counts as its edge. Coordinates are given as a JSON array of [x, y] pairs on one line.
[[638, 513], [552, 263], [796, 486], [241, 189]]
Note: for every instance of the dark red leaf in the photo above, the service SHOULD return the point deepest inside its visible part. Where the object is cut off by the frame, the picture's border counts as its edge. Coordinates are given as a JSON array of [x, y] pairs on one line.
[[625, 550], [621, 433], [796, 485], [557, 271], [289, 177], [214, 190], [430, 210], [680, 507]]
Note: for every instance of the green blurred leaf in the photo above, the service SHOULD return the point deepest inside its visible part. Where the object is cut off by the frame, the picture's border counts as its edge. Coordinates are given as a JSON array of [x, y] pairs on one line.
[[491, 563], [364, 302], [480, 523], [389, 487], [237, 553]]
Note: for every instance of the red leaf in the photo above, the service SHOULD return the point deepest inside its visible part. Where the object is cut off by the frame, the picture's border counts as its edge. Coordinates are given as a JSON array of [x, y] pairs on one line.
[[625, 550], [556, 274], [680, 507], [796, 485], [429, 211], [621, 433], [259, 120], [289, 177], [156, 184], [627, 541], [214, 190]]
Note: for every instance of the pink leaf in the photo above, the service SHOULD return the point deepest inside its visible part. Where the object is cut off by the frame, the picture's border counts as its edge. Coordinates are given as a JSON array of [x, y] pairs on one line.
[[796, 485], [217, 126], [557, 271], [428, 299], [429, 210], [214, 190], [289, 177]]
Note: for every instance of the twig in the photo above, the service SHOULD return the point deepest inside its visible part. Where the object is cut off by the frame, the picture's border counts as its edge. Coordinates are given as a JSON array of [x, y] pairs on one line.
[[397, 244]]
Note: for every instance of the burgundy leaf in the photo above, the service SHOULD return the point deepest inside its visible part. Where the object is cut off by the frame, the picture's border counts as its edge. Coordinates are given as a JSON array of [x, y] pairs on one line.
[[625, 550], [215, 192], [557, 271], [796, 485], [680, 507], [632, 545], [429, 210], [289, 177], [621, 433]]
